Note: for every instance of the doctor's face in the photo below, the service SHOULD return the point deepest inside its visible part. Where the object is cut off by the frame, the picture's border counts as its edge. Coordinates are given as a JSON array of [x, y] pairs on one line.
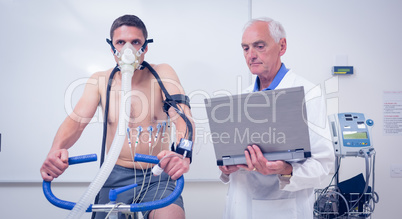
[[260, 50]]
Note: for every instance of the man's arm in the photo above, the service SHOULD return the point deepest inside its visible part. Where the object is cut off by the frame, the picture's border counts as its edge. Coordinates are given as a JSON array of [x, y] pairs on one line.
[[175, 166], [70, 130]]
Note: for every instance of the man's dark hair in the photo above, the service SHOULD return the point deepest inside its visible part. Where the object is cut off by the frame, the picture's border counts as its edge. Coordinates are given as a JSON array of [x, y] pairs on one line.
[[128, 20]]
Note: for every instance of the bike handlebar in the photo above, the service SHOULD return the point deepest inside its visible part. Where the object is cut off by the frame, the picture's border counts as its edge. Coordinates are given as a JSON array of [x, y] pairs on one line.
[[47, 189], [146, 206]]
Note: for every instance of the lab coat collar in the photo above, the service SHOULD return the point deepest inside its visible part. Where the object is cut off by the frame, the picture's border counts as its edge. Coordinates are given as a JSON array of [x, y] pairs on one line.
[[278, 78]]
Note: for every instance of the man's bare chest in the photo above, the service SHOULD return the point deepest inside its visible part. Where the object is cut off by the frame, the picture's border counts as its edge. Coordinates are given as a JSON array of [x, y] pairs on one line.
[[146, 104]]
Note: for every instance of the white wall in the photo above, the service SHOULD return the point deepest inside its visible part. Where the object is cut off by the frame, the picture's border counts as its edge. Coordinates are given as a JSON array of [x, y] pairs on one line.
[[368, 32]]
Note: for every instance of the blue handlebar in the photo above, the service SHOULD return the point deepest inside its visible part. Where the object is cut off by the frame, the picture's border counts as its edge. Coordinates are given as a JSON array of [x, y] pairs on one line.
[[146, 206], [146, 158], [82, 159], [47, 189]]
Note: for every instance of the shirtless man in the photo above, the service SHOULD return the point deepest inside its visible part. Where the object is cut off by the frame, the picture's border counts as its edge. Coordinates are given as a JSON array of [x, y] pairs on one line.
[[146, 111]]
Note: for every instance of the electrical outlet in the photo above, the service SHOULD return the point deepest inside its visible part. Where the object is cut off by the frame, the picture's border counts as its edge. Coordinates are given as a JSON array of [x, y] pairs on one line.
[[396, 170]]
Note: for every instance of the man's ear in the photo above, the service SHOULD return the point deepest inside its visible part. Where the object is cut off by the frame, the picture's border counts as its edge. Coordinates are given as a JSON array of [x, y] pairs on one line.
[[283, 46]]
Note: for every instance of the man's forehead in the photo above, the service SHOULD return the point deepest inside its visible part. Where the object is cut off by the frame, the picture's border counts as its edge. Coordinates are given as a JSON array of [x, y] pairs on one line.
[[129, 31], [255, 36]]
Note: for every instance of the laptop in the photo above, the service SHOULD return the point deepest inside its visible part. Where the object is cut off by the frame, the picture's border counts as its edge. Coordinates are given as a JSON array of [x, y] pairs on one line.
[[275, 120]]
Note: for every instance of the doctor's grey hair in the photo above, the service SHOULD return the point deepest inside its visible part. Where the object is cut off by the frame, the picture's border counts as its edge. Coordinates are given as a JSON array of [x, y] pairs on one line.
[[275, 28]]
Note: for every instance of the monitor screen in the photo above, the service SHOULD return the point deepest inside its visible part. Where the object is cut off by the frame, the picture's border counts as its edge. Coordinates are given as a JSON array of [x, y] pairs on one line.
[[354, 135]]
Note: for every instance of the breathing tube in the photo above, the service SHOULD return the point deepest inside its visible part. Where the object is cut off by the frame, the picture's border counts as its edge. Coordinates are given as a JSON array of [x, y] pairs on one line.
[[128, 62]]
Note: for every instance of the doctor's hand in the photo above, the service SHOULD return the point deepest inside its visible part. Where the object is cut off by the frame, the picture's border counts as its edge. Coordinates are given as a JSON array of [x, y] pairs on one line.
[[55, 164], [228, 169], [173, 164], [257, 162]]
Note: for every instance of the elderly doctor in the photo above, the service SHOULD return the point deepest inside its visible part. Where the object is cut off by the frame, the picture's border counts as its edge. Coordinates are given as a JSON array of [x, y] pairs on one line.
[[277, 189]]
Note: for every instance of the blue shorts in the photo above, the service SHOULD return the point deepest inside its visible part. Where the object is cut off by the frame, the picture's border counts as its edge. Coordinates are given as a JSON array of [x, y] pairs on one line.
[[150, 188]]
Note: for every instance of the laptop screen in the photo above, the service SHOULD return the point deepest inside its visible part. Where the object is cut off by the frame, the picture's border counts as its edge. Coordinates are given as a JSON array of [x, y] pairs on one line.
[[275, 120]]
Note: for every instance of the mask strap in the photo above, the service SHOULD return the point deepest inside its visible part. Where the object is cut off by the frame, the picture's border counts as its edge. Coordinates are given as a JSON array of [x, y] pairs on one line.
[[113, 48], [171, 100], [142, 49]]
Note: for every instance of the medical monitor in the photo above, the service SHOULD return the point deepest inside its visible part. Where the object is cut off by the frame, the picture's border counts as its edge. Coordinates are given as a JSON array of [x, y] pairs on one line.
[[350, 133]]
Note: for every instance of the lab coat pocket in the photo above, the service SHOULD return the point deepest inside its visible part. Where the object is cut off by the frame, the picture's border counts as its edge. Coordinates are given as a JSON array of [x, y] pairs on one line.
[[278, 209]]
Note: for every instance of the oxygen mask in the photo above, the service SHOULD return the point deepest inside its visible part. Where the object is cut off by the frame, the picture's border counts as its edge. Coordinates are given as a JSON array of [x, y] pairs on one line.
[[129, 56]]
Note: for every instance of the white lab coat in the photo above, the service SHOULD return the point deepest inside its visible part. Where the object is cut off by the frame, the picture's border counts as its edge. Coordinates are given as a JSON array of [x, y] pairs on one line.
[[253, 195]]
